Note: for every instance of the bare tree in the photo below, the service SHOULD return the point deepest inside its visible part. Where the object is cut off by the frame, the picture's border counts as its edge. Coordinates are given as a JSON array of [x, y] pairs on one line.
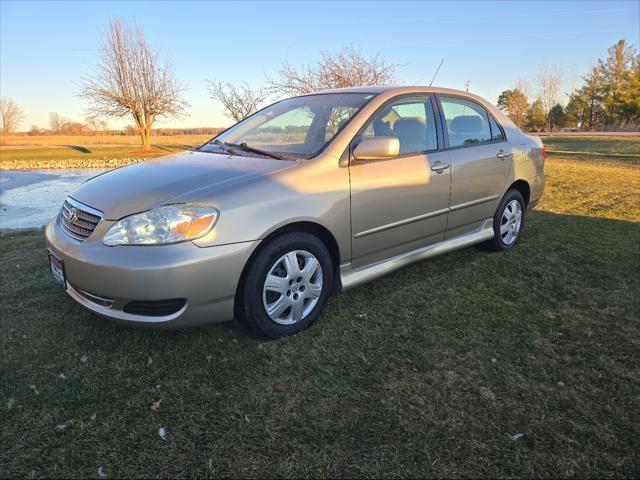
[[549, 81], [239, 102], [57, 122], [347, 68], [95, 124], [131, 81], [10, 116], [523, 85]]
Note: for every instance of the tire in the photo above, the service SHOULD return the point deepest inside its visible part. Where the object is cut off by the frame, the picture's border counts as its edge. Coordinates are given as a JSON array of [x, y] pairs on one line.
[[508, 222], [294, 296]]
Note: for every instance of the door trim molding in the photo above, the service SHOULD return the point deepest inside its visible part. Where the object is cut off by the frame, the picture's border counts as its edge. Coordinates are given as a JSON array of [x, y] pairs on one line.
[[351, 277], [400, 223], [472, 203]]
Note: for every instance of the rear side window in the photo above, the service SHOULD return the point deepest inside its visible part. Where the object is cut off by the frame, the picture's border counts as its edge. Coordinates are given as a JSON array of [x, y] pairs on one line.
[[467, 122], [409, 120], [497, 135]]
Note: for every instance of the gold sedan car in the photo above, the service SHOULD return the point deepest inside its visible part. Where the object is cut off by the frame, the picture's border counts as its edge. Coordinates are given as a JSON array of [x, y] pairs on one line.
[[312, 194]]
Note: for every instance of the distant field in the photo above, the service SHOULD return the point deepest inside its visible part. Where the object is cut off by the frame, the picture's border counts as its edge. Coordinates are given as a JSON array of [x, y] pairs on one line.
[[596, 148], [84, 140]]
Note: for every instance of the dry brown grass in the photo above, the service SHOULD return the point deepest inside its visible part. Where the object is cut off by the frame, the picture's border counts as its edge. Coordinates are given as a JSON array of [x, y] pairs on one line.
[[58, 140], [571, 185]]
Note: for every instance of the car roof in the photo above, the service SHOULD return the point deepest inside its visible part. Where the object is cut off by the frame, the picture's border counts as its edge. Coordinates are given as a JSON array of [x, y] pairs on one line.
[[396, 89]]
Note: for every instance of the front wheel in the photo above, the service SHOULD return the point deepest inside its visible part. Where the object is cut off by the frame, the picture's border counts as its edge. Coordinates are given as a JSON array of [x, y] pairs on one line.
[[508, 221], [287, 285]]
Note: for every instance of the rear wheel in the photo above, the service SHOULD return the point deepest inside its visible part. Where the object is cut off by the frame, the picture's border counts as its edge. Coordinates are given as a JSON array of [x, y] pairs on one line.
[[287, 285], [508, 221]]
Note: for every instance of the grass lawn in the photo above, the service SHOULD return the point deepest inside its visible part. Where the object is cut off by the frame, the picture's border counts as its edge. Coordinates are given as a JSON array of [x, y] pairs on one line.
[[429, 371], [599, 149]]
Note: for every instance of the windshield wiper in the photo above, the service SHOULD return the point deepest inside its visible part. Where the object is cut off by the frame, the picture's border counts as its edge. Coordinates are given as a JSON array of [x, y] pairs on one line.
[[243, 146]]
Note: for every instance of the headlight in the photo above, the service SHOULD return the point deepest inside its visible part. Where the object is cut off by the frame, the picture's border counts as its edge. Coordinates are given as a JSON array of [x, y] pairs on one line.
[[162, 225]]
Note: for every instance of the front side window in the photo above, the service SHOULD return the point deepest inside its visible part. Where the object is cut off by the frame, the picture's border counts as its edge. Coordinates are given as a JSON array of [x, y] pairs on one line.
[[298, 127], [467, 122], [409, 120]]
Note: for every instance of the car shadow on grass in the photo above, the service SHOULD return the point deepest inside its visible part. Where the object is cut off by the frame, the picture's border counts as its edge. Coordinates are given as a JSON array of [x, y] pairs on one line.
[[78, 148]]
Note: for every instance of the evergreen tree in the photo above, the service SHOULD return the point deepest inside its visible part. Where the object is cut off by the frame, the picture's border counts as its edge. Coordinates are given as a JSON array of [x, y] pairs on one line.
[[557, 117], [617, 70], [536, 116]]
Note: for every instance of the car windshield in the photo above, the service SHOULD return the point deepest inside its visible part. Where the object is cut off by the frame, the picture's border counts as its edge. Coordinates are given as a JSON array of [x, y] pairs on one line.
[[298, 127]]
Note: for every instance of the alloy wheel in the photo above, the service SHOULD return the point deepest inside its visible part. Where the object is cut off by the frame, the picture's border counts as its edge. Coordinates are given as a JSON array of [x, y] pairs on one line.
[[511, 222], [292, 287]]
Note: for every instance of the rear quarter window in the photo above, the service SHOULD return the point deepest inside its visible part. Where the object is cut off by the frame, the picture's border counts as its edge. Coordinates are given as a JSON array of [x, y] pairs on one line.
[[497, 134]]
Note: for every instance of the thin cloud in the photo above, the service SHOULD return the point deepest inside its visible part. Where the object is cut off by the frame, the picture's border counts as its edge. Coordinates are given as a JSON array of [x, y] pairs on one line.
[[507, 37], [485, 17]]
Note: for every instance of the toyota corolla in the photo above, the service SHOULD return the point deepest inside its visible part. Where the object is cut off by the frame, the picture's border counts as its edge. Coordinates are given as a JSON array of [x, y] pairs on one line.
[[310, 195]]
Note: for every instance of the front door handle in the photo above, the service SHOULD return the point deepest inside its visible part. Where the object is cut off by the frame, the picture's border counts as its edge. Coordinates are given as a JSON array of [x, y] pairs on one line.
[[502, 154], [439, 167]]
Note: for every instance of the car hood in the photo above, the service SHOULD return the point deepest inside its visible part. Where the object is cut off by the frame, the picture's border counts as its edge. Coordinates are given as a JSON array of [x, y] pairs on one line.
[[147, 184]]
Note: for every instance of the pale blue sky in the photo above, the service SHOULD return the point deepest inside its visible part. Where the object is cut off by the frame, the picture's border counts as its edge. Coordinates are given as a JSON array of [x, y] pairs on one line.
[[46, 46]]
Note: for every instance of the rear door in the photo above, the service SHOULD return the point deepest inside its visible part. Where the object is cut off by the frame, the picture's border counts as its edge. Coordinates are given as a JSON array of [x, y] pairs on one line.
[[480, 163], [400, 204]]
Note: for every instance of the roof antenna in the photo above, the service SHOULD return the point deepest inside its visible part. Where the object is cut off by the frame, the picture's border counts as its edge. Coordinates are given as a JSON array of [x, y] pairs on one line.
[[434, 75]]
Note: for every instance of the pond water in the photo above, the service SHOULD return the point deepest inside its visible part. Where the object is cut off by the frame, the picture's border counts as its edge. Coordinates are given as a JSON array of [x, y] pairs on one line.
[[29, 199]]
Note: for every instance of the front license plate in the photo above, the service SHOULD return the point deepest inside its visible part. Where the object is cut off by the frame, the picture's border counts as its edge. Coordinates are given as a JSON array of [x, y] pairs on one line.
[[57, 270]]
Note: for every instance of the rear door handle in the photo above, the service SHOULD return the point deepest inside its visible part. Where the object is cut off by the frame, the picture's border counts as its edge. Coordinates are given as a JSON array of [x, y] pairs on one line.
[[439, 166], [502, 154]]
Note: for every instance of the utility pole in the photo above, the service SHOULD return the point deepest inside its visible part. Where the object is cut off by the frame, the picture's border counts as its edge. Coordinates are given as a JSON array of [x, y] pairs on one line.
[[467, 83]]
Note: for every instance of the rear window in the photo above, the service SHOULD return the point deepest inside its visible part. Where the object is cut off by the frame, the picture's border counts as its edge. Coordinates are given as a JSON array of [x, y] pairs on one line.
[[467, 122]]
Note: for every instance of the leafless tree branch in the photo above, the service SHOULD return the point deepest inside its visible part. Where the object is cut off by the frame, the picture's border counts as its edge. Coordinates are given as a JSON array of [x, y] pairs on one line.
[[10, 116], [238, 102], [131, 81], [549, 80], [347, 68]]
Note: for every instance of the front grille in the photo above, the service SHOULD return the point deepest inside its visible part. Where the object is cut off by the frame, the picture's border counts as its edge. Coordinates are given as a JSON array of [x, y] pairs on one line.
[[155, 308], [78, 220]]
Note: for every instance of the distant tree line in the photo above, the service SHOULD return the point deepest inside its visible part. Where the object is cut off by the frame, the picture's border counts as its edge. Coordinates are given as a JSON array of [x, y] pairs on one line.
[[608, 99], [59, 125]]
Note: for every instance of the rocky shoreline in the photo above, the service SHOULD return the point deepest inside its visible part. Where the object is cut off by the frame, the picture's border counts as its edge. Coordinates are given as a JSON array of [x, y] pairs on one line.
[[67, 164]]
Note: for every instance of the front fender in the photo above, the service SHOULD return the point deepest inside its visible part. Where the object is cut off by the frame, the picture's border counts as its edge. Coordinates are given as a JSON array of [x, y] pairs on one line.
[[316, 191]]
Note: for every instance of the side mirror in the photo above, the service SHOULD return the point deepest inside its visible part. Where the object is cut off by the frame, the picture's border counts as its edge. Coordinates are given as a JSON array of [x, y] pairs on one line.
[[377, 148]]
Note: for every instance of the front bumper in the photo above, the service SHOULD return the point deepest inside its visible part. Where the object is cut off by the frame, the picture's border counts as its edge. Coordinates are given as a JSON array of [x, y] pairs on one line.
[[207, 278]]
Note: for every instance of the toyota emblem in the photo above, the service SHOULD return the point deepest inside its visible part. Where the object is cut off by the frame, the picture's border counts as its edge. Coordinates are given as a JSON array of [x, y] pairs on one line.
[[73, 215]]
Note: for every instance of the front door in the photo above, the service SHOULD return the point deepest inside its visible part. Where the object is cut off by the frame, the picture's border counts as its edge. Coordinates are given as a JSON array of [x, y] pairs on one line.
[[400, 204], [480, 164]]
